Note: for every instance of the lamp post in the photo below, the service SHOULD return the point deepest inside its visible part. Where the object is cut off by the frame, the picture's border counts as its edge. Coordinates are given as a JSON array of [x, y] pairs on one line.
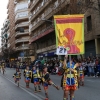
[[23, 51]]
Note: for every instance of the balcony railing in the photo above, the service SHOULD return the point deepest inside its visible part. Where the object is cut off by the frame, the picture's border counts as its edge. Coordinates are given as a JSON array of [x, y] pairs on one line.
[[20, 10], [22, 48], [42, 33], [22, 24], [33, 4], [26, 32], [46, 3], [21, 17], [50, 12], [46, 49], [21, 40]]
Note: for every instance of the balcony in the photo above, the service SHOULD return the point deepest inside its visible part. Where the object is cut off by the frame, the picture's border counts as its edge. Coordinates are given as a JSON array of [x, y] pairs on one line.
[[39, 9], [20, 48], [46, 49], [42, 33], [32, 6], [21, 40], [26, 32], [21, 10], [21, 18], [23, 24], [50, 13]]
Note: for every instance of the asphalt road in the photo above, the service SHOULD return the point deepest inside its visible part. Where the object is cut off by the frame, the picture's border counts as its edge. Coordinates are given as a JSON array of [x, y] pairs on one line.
[[9, 90]]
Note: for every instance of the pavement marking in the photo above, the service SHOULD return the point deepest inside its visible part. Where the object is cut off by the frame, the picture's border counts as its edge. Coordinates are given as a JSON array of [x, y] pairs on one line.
[[38, 95], [23, 89], [89, 80]]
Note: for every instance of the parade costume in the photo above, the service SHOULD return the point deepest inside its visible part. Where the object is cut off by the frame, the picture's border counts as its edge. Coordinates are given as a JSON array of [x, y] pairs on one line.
[[46, 82], [3, 67], [81, 75], [27, 75], [69, 80], [35, 80], [17, 77]]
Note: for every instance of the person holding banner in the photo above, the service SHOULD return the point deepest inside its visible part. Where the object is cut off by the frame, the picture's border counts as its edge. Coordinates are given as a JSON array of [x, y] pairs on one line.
[[70, 79]]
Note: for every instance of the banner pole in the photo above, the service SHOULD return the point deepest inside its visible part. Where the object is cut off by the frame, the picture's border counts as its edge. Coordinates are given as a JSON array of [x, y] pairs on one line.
[[70, 67]]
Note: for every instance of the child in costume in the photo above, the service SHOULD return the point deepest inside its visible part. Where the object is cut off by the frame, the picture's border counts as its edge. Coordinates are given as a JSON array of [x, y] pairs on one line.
[[81, 75], [27, 75], [35, 79], [70, 79], [17, 76], [3, 67], [47, 81]]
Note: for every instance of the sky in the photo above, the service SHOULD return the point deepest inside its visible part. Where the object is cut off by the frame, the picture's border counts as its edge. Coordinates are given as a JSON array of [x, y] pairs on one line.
[[3, 14]]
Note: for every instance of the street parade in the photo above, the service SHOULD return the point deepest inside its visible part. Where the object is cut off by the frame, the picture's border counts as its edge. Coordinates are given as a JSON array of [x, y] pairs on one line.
[[50, 50], [72, 74]]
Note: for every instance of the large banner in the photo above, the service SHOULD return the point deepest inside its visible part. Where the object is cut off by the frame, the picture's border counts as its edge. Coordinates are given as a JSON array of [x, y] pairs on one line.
[[70, 33]]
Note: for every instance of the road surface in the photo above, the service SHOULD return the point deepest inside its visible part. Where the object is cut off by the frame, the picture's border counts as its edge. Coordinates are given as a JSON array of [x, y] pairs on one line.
[[9, 90]]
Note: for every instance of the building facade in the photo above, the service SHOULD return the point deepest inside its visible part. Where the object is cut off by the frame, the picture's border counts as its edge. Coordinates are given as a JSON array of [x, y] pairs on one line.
[[4, 38], [11, 17], [92, 30], [41, 28], [19, 28]]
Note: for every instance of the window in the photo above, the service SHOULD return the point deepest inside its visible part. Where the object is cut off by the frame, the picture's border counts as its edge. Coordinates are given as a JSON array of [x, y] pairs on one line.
[[89, 23]]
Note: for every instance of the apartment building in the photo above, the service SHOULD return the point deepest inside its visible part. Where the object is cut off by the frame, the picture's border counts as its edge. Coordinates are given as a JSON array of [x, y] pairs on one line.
[[11, 17], [92, 29], [41, 28], [4, 38], [19, 28]]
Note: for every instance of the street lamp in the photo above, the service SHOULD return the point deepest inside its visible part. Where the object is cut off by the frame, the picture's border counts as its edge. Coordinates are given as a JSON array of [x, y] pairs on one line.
[[23, 50]]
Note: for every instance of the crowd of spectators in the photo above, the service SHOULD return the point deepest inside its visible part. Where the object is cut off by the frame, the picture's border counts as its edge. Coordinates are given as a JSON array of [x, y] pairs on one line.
[[91, 65]]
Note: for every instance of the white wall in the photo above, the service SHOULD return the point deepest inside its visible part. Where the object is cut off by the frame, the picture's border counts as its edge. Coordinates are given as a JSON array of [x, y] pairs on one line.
[[21, 5], [22, 14]]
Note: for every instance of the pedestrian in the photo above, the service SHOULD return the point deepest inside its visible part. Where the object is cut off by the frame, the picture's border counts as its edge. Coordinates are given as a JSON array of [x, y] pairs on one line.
[[98, 69], [17, 76], [47, 81], [3, 67], [35, 79], [69, 82], [27, 75], [81, 74]]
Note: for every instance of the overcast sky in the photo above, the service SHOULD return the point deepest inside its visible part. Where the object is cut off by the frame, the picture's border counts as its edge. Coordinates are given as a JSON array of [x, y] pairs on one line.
[[3, 14]]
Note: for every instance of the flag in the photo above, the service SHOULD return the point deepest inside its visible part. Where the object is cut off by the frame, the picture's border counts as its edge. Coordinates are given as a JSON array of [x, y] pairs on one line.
[[70, 33]]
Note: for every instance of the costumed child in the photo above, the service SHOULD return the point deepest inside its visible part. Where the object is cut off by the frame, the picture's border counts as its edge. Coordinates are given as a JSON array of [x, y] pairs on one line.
[[35, 79], [81, 74], [3, 67], [47, 81], [69, 81], [17, 76], [27, 76]]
